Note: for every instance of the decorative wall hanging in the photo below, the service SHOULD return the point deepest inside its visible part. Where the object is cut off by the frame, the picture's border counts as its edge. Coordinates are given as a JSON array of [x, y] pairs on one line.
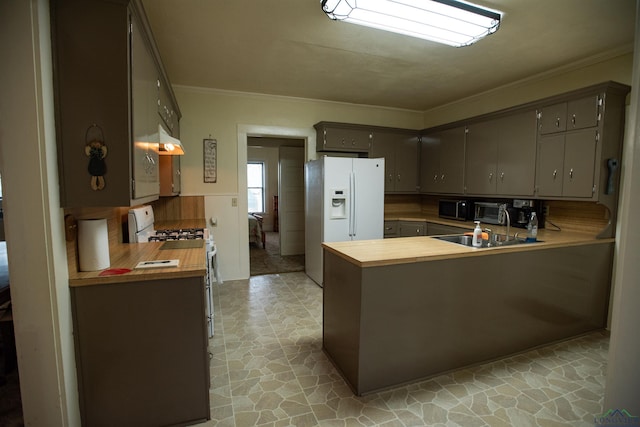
[[210, 159], [96, 150]]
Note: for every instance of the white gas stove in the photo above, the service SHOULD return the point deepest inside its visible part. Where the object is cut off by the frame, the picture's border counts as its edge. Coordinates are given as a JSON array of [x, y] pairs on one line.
[[141, 230]]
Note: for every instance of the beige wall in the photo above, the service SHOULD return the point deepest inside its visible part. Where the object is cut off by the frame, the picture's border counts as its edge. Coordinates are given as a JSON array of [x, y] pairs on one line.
[[231, 117], [533, 88], [218, 113]]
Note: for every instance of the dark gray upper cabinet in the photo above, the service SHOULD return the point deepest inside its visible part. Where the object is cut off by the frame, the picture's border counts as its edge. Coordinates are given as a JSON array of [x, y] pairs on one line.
[[343, 137], [501, 155], [516, 157], [144, 98], [574, 114], [108, 81], [400, 152], [558, 147], [566, 164], [573, 158], [480, 157], [167, 109], [442, 161]]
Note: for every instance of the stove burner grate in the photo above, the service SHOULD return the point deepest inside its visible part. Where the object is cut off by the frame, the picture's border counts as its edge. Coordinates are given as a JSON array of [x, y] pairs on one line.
[[164, 235]]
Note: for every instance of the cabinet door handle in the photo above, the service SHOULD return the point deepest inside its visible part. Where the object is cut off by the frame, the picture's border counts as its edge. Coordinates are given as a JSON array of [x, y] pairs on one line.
[[571, 173], [557, 122], [353, 142], [502, 177], [490, 176], [343, 142], [555, 173], [435, 178], [398, 177], [442, 177], [573, 120]]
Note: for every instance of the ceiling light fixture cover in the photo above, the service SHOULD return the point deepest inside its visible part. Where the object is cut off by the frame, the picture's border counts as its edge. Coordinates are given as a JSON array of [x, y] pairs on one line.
[[451, 22]]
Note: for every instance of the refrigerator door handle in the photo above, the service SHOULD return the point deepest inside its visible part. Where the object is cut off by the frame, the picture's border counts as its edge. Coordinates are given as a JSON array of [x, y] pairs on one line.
[[353, 205]]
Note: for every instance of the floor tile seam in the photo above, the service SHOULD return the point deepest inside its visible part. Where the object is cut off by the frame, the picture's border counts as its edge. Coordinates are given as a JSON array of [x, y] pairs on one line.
[[226, 358], [288, 359], [302, 302]]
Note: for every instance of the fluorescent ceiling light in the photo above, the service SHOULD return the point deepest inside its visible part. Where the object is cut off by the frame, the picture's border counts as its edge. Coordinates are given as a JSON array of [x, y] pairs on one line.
[[451, 22]]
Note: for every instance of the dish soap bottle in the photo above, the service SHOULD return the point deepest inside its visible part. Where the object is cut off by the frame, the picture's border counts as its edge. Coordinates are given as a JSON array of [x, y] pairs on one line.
[[477, 236], [532, 228]]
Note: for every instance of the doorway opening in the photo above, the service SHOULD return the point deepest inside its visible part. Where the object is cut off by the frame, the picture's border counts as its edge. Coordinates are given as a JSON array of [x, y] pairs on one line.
[[275, 187]]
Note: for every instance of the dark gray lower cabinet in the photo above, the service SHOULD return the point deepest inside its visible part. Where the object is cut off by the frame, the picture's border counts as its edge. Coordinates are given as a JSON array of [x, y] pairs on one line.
[[141, 353], [434, 229], [412, 228]]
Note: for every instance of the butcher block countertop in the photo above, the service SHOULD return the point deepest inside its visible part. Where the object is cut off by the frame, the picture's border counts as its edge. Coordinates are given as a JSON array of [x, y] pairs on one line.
[[192, 261], [403, 250], [128, 255]]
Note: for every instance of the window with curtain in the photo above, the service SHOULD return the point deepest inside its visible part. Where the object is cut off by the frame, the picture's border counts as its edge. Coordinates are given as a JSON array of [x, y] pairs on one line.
[[255, 184]]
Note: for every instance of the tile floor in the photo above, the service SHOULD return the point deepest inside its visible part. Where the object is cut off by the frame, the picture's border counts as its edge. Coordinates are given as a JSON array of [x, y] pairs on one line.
[[268, 369]]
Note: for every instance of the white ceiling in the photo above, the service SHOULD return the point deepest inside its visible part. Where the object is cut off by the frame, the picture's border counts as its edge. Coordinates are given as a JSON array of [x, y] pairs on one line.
[[290, 48]]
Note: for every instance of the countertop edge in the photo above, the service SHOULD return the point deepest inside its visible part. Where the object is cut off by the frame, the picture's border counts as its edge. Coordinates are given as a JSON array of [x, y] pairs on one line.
[[192, 263], [158, 274], [454, 252]]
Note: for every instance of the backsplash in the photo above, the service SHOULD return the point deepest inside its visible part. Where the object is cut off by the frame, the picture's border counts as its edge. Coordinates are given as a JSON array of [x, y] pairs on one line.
[[401, 203], [576, 216], [164, 209], [116, 225], [178, 208], [568, 215]]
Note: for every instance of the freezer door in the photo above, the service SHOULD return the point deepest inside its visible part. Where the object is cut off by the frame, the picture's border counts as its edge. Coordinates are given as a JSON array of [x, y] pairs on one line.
[[368, 199], [337, 198]]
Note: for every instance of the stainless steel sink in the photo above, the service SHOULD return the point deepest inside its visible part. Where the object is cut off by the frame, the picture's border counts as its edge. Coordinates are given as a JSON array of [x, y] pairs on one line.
[[496, 240], [461, 239]]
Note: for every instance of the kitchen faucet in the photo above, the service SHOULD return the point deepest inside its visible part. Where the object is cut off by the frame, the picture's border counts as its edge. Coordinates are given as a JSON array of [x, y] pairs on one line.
[[506, 212], [489, 236]]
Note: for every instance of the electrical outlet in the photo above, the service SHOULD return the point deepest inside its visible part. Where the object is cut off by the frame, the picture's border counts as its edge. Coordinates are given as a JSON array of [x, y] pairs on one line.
[[234, 202], [546, 210]]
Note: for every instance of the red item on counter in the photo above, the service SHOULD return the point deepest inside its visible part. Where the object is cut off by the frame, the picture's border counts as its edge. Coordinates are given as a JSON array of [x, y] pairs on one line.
[[114, 271]]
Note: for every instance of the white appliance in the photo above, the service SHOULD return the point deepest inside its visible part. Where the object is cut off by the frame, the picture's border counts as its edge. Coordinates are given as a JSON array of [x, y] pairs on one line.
[[344, 200], [141, 224], [141, 230]]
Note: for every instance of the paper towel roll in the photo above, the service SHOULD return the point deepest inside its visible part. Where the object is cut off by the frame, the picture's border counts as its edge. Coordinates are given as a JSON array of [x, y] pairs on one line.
[[93, 244]]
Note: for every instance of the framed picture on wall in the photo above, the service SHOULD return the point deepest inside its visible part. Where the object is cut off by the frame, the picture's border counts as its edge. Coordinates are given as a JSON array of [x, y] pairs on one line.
[[210, 160]]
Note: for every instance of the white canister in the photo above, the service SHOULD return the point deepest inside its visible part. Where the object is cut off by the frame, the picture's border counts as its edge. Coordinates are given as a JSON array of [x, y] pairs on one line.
[[93, 244]]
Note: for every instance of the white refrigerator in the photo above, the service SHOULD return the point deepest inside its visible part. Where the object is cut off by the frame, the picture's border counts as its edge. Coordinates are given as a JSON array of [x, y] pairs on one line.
[[344, 200]]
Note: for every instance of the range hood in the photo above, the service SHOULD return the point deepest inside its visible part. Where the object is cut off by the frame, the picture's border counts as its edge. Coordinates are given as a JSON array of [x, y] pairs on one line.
[[169, 146]]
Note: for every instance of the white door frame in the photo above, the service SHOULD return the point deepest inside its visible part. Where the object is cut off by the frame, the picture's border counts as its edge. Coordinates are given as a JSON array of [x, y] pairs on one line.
[[245, 131]]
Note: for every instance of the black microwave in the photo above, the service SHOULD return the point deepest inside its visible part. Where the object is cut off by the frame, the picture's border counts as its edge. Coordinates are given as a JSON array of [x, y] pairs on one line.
[[460, 210]]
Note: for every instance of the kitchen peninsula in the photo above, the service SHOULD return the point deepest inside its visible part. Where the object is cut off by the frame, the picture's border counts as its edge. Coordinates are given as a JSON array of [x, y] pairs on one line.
[[403, 309]]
